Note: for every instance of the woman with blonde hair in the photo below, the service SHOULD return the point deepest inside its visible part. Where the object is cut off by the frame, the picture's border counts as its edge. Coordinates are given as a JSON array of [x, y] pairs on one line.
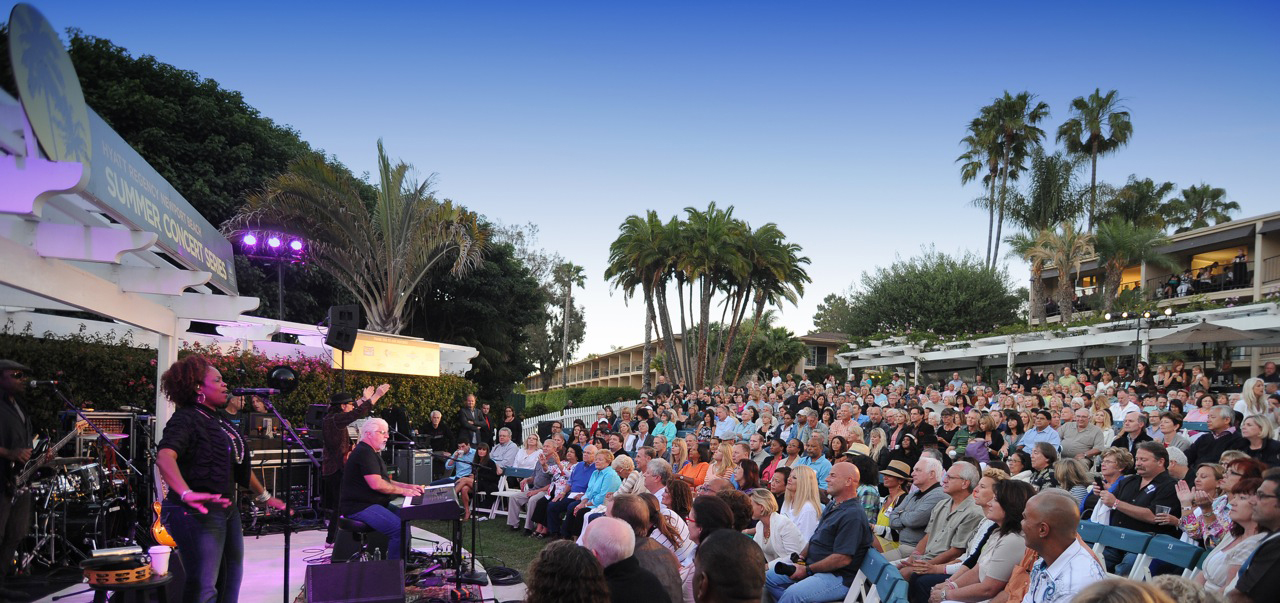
[[802, 505], [679, 454], [1102, 418], [722, 461], [1253, 398], [1121, 590], [1259, 439], [876, 440], [777, 536]]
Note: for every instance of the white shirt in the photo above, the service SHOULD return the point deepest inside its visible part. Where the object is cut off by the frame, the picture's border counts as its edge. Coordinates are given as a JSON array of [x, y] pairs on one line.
[[806, 519], [784, 538], [1118, 414], [1073, 570]]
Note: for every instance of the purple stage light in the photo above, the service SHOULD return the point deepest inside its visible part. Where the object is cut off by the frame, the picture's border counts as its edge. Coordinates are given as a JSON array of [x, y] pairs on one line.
[[273, 242], [295, 245], [250, 239]]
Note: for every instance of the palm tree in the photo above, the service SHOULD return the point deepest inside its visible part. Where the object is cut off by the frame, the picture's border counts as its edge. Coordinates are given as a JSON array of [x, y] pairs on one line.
[[1014, 119], [636, 258], [982, 152], [567, 275], [711, 255], [776, 274], [1065, 248], [1083, 134], [1198, 205], [779, 349], [1141, 202], [1121, 244], [379, 251], [1024, 245], [1052, 198]]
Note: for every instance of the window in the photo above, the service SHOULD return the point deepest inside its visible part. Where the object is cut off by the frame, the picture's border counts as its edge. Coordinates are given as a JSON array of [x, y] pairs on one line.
[[817, 356]]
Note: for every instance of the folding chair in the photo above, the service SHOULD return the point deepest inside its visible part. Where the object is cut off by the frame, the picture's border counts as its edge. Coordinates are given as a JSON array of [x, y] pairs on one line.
[[1129, 541], [1091, 533], [504, 493], [889, 588], [1174, 552], [872, 566]]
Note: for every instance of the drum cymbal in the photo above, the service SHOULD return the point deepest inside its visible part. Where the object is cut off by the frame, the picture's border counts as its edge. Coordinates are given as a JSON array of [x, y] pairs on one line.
[[70, 460]]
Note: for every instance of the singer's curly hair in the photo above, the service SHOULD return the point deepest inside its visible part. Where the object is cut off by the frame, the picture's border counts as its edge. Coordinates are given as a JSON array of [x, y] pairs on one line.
[[180, 381], [564, 572]]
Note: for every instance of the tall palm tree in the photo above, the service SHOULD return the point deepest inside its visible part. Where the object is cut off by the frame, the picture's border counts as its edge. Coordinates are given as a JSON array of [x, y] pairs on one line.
[[1065, 248], [982, 152], [1141, 202], [379, 251], [710, 255], [1100, 125], [567, 275], [1199, 204], [1121, 244], [776, 274], [1052, 198], [637, 258], [1015, 119], [1025, 245]]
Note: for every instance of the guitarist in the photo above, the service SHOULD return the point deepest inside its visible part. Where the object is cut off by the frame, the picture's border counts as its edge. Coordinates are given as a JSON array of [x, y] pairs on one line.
[[15, 450]]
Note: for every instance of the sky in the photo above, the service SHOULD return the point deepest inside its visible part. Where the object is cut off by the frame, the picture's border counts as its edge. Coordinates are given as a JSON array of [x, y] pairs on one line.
[[838, 121]]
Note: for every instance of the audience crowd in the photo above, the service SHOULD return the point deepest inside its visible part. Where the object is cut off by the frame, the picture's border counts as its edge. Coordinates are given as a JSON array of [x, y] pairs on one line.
[[777, 490]]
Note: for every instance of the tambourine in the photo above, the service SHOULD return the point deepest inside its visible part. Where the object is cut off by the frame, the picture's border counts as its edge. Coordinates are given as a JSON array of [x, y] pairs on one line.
[[117, 569]]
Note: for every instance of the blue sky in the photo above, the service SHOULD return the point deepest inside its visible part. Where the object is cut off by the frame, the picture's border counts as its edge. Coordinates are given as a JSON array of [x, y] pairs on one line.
[[839, 121]]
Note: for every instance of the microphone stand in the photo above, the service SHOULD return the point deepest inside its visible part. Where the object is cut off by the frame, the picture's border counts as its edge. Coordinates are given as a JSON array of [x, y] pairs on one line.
[[102, 435], [286, 447], [472, 576]]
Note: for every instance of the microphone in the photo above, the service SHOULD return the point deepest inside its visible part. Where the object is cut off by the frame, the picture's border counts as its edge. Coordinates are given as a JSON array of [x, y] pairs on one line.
[[39, 383], [133, 409], [405, 440], [254, 391]]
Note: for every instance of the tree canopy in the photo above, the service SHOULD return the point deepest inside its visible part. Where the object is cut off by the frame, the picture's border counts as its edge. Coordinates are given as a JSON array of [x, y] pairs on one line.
[[933, 292]]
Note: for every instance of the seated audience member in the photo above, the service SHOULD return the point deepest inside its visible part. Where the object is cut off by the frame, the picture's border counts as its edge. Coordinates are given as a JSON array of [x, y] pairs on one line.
[[951, 522], [707, 515], [1041, 431], [814, 459], [1258, 434], [910, 517], [1133, 432], [603, 482], [1204, 514], [921, 584], [803, 505], [1081, 439], [999, 555], [1066, 565], [483, 479], [1184, 590], [1222, 565], [1208, 448], [654, 557], [367, 490], [727, 569], [1133, 505], [1073, 476], [669, 530], [1020, 466], [532, 488], [1121, 590], [1260, 575], [836, 550], [741, 507], [1116, 464], [613, 543], [775, 534], [1043, 456], [564, 572]]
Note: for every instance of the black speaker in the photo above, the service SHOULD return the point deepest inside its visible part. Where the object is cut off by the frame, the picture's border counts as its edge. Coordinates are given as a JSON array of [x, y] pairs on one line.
[[344, 322], [369, 582]]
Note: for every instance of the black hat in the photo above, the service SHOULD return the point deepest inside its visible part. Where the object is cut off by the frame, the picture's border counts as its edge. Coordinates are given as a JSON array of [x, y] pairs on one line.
[[340, 398], [10, 365]]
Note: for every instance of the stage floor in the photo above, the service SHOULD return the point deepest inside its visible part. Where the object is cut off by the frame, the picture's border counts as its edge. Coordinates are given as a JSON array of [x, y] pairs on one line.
[[264, 569]]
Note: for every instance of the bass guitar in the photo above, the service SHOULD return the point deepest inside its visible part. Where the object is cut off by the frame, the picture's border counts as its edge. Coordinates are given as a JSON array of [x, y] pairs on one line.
[[19, 484]]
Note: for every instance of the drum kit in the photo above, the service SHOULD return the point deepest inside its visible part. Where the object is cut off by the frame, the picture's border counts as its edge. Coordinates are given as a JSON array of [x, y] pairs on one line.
[[79, 504]]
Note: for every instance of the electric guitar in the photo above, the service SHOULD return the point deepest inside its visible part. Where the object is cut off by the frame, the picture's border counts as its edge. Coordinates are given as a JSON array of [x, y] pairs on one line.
[[18, 485]]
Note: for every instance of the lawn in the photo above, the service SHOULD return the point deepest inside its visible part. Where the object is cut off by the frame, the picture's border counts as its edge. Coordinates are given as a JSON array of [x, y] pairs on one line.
[[495, 543]]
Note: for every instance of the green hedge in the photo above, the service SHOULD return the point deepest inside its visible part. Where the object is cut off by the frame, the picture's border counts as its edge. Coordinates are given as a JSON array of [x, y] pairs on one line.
[[582, 396], [105, 372]]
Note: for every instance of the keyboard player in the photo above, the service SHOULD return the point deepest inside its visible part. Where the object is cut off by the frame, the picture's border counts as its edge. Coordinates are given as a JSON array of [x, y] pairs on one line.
[[367, 490]]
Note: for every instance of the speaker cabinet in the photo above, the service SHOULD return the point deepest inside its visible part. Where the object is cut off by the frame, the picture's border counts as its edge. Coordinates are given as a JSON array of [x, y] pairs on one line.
[[344, 322], [369, 582]]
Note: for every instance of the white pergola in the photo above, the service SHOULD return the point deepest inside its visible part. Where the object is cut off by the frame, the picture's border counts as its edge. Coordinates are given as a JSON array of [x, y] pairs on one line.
[[1073, 344]]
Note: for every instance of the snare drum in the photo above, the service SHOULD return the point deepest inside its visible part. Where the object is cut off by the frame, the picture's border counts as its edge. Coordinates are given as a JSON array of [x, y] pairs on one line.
[[91, 481]]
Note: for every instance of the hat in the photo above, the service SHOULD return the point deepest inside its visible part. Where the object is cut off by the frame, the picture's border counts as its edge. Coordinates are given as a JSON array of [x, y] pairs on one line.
[[898, 469], [340, 398], [858, 448], [9, 365]]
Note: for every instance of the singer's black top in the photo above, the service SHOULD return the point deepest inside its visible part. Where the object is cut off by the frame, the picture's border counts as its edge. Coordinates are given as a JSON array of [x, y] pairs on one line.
[[206, 452], [356, 494]]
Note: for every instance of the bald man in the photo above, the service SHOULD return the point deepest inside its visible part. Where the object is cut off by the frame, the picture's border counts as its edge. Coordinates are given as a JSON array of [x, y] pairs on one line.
[[613, 542], [1065, 567]]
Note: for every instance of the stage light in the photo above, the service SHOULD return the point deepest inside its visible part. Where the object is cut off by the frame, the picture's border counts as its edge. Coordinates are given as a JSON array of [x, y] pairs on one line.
[[249, 239], [273, 242], [295, 245], [1168, 311], [1146, 314], [1124, 315], [1107, 316]]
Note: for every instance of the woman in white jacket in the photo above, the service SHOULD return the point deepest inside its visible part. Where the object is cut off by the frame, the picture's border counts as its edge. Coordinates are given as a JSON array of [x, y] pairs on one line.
[[777, 536]]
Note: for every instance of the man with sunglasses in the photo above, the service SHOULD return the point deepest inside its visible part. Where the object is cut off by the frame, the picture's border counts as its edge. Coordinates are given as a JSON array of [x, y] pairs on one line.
[[16, 430]]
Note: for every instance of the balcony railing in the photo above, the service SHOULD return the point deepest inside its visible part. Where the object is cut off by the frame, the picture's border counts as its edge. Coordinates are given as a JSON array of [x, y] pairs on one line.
[[1165, 288], [1271, 269]]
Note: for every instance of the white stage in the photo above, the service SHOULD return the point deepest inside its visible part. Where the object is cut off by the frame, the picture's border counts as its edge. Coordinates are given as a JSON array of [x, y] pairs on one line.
[[264, 569]]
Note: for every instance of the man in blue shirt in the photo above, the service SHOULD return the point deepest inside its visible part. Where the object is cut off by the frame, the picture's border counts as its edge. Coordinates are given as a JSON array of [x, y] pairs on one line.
[[725, 425], [813, 459], [465, 454], [1041, 433]]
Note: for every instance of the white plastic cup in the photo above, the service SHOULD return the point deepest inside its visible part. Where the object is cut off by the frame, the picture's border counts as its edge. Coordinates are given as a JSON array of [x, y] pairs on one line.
[[159, 559]]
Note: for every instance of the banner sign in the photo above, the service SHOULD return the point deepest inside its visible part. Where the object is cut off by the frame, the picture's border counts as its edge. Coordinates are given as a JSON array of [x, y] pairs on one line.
[[120, 181]]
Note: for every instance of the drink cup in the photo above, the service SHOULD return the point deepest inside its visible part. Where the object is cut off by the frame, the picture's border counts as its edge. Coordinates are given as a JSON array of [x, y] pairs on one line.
[[160, 559], [1161, 509]]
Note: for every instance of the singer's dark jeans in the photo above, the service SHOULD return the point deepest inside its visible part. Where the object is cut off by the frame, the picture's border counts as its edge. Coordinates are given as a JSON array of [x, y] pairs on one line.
[[211, 547], [383, 520], [15, 522]]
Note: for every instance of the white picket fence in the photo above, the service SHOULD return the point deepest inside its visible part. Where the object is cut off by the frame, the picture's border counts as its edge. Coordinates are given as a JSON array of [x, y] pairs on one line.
[[567, 416]]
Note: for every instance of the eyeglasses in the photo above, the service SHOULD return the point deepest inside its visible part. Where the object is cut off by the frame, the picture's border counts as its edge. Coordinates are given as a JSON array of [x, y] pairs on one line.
[[1262, 495]]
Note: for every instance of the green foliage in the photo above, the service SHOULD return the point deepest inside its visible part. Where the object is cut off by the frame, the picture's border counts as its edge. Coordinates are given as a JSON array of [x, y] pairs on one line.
[[834, 313], [818, 374], [106, 372], [1140, 202], [1084, 134], [1197, 205], [555, 399], [932, 293], [489, 310]]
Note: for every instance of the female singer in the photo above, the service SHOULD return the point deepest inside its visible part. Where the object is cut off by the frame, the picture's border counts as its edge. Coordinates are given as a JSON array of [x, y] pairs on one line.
[[203, 459]]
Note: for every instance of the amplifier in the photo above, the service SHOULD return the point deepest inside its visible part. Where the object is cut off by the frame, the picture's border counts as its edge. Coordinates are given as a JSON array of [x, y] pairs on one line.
[[368, 582], [413, 466]]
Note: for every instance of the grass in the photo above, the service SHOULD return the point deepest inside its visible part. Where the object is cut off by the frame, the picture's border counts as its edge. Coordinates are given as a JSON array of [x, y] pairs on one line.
[[495, 543]]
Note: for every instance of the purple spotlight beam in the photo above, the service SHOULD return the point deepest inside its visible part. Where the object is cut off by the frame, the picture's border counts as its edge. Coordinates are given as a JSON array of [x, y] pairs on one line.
[[250, 239], [273, 242], [295, 245]]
